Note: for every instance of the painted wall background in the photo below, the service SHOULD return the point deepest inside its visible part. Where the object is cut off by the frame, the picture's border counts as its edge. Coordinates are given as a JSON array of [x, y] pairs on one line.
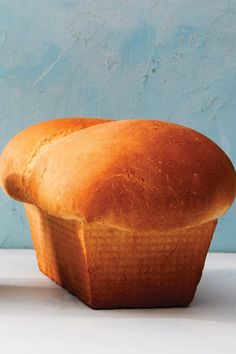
[[165, 59]]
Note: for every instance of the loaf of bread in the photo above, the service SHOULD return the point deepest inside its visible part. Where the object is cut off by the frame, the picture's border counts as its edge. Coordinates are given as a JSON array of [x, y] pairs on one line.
[[121, 212]]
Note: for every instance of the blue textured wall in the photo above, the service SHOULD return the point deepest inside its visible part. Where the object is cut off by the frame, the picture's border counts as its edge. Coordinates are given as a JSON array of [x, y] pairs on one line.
[[170, 60]]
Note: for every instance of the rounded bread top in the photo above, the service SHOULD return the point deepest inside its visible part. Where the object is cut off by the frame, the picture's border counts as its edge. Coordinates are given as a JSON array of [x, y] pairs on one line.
[[22, 151], [137, 174]]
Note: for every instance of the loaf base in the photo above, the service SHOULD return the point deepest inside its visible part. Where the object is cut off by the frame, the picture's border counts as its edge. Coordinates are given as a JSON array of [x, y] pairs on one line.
[[111, 268]]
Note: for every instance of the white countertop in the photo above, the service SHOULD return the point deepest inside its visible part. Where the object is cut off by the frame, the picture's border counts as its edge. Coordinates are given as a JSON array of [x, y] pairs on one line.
[[37, 316]]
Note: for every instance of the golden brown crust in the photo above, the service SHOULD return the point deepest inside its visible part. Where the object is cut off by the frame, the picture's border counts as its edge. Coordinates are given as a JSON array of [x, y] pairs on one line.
[[20, 154], [140, 175], [112, 268]]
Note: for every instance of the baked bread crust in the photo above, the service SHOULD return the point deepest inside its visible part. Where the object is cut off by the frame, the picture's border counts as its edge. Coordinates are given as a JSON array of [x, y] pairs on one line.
[[134, 175], [21, 153]]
